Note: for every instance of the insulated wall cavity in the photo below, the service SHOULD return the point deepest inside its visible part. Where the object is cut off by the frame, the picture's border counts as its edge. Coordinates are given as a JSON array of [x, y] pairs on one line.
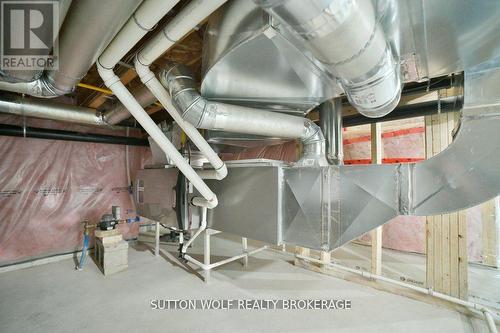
[[48, 187]]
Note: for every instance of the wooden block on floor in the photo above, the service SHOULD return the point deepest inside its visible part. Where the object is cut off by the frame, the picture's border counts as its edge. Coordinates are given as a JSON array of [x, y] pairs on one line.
[[112, 239], [109, 236], [106, 233], [114, 269], [111, 257]]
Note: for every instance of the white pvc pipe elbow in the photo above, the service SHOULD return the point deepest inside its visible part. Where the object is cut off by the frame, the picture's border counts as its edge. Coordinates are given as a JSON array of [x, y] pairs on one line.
[[153, 84], [113, 82]]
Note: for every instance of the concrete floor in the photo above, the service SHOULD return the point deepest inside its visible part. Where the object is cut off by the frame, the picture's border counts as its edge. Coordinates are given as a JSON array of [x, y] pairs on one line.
[[56, 298]]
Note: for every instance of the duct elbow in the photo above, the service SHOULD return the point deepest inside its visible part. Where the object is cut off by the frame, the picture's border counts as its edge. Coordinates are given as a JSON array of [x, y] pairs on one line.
[[312, 132], [181, 85], [313, 145], [102, 121], [41, 87]]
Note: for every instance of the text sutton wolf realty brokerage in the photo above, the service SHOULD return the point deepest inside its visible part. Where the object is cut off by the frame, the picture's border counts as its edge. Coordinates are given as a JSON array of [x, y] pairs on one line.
[[250, 304]]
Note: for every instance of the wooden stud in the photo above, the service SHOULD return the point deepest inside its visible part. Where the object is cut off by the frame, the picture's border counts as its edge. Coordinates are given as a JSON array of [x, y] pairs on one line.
[[454, 256], [429, 250], [445, 252], [376, 234], [301, 251], [446, 246], [429, 239], [463, 264], [438, 256], [325, 257], [490, 233], [445, 219], [376, 262], [376, 143]]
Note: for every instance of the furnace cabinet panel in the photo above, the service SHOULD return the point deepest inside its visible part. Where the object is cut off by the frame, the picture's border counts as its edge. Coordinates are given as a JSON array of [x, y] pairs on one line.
[[250, 203]]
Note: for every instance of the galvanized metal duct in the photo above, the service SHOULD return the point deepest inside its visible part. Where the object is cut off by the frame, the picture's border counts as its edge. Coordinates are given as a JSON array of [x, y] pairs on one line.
[[44, 109], [347, 37], [330, 122], [207, 114], [260, 63], [88, 28], [326, 207]]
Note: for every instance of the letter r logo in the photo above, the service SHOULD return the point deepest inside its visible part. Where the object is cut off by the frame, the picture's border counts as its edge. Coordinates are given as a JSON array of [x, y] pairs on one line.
[[28, 27]]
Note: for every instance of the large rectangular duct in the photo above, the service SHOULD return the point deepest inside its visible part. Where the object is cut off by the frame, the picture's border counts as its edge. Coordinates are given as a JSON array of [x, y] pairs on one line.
[[252, 201], [278, 203]]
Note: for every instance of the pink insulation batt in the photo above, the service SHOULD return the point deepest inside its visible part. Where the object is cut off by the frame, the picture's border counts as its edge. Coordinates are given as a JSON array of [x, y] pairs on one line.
[[48, 187]]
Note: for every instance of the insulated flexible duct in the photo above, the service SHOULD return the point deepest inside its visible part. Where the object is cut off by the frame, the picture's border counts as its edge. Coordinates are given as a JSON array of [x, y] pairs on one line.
[[46, 109], [88, 28]]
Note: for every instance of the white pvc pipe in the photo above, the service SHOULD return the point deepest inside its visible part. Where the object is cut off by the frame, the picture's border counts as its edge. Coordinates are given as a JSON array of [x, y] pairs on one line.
[[157, 239], [225, 261], [490, 322], [206, 254], [429, 291], [244, 247], [202, 227], [149, 79], [195, 12], [142, 21], [114, 84], [148, 14], [190, 16]]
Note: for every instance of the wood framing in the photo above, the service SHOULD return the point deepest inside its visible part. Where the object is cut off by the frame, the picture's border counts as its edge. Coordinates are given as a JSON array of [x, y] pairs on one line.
[[446, 244], [490, 218], [325, 256], [376, 234], [301, 251]]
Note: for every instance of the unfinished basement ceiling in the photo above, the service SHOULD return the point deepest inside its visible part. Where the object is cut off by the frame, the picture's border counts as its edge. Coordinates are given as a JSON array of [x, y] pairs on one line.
[[188, 51]]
